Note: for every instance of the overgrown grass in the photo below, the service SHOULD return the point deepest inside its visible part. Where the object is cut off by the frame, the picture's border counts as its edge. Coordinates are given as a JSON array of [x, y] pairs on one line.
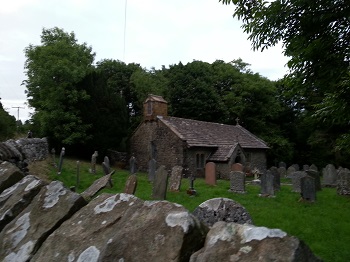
[[324, 225]]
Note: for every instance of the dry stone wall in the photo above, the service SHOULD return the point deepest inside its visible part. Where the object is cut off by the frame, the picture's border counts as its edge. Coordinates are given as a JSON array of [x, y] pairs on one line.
[[51, 223]]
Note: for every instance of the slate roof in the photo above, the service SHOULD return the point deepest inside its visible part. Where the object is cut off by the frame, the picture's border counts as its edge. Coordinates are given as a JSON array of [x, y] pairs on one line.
[[155, 98], [222, 138]]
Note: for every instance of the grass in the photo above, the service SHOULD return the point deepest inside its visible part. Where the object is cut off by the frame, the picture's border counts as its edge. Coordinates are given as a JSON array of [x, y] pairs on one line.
[[324, 225]]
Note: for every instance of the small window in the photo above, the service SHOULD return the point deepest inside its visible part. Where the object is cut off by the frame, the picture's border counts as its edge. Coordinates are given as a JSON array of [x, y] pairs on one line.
[[200, 161], [149, 108]]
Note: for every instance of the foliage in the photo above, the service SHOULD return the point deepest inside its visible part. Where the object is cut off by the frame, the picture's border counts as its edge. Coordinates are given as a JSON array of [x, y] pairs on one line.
[[7, 124], [53, 70], [317, 224]]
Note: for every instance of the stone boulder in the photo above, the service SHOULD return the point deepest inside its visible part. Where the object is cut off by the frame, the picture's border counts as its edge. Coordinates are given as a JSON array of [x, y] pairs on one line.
[[246, 243], [222, 209], [21, 238], [123, 227], [9, 175], [15, 199]]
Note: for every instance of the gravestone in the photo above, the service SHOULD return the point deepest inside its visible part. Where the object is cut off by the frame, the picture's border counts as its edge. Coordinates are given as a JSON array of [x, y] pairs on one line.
[[222, 209], [98, 185], [191, 191], [308, 188], [93, 162], [296, 176], [175, 179], [316, 175], [210, 174], [282, 164], [106, 166], [276, 178], [237, 182], [132, 164], [329, 176], [290, 171], [296, 166], [130, 185], [160, 184], [306, 167], [78, 175], [313, 167], [152, 167], [282, 171], [267, 184], [343, 182], [53, 152], [237, 167], [63, 151]]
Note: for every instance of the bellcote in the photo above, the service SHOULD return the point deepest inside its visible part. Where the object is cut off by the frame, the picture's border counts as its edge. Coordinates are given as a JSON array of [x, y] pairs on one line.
[[154, 106]]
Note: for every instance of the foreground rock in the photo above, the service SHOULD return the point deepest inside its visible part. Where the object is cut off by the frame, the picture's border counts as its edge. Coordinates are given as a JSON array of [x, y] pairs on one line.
[[122, 227], [9, 175], [20, 239], [246, 243], [15, 199]]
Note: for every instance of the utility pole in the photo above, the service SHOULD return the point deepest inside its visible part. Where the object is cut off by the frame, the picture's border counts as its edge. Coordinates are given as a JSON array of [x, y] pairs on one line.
[[18, 107]]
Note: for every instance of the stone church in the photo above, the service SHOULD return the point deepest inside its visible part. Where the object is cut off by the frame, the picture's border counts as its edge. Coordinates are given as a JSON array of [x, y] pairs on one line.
[[191, 143]]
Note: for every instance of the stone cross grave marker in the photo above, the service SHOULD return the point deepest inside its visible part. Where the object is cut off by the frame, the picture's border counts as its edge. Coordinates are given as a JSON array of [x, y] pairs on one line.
[[296, 176], [130, 185], [267, 184], [343, 182], [307, 188], [210, 174], [63, 151], [329, 176], [132, 163], [152, 167], [175, 179], [93, 162], [160, 184], [237, 182]]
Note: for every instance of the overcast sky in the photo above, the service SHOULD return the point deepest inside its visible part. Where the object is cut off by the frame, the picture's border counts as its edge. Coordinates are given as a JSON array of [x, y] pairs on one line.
[[158, 32]]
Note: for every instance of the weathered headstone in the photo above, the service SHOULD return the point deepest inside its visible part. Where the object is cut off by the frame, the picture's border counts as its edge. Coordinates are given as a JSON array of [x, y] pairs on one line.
[[306, 167], [175, 179], [276, 178], [152, 167], [210, 174], [296, 176], [282, 164], [343, 182], [291, 170], [222, 209], [316, 175], [267, 184], [237, 167], [191, 177], [282, 171], [329, 176], [308, 188], [313, 167], [106, 169], [98, 185], [107, 163], [237, 182], [130, 185], [160, 184], [78, 174], [53, 152], [132, 164], [93, 162], [296, 166], [63, 151]]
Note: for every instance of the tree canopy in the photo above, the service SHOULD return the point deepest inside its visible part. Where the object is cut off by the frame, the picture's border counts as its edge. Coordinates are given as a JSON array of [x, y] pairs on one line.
[[7, 124]]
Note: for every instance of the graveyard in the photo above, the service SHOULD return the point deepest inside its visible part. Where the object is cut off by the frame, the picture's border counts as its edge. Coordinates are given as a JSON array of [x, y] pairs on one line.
[[322, 224]]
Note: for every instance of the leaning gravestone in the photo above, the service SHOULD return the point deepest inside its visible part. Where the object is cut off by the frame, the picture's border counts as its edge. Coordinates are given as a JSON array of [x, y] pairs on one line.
[[60, 163], [237, 182], [20, 238], [343, 184], [222, 209], [308, 188], [267, 184], [175, 179], [296, 176], [130, 185], [210, 174], [160, 184], [98, 185], [152, 167], [329, 176]]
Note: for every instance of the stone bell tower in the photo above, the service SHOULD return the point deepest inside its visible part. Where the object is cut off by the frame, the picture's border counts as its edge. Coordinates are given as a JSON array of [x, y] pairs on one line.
[[154, 106]]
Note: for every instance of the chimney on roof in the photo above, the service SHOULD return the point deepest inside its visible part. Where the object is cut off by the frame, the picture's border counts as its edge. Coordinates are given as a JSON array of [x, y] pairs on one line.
[[154, 106]]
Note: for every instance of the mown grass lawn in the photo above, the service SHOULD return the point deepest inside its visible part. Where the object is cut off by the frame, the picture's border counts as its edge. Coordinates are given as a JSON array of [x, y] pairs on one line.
[[324, 225]]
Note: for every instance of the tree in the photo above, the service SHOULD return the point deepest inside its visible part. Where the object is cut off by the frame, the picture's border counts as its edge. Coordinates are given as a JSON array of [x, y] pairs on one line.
[[7, 124], [53, 70]]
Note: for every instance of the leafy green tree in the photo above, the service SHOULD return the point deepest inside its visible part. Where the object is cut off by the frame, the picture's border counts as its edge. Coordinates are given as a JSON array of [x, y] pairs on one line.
[[7, 124], [53, 70]]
